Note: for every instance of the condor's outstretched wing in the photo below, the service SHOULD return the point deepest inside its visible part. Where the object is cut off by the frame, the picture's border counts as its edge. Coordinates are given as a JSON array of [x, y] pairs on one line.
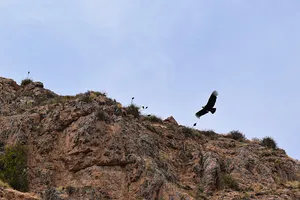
[[201, 112], [212, 100]]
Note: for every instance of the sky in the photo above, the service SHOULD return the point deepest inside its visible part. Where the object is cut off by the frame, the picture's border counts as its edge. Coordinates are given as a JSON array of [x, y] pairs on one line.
[[170, 55]]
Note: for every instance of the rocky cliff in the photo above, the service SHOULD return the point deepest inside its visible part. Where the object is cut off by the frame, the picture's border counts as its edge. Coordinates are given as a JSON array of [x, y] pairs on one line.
[[89, 146]]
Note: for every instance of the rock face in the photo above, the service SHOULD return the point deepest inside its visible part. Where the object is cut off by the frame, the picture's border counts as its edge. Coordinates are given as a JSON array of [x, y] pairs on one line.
[[83, 147], [171, 120], [11, 194]]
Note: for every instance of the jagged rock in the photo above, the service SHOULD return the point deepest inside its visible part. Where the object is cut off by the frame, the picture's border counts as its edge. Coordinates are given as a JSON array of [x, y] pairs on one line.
[[171, 120], [211, 172], [10, 194], [150, 188], [92, 149]]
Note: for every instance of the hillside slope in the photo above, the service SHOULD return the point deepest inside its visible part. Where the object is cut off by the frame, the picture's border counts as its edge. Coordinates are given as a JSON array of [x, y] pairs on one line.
[[90, 147]]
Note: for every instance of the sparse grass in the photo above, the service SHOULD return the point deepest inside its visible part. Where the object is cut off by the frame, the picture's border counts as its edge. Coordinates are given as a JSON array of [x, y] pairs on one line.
[[229, 182], [133, 110], [267, 153], [210, 133], [53, 100], [14, 163], [86, 97], [256, 140], [293, 184], [188, 132], [60, 189], [153, 129], [246, 196], [26, 81], [4, 185], [99, 93], [154, 118], [237, 135], [269, 142]]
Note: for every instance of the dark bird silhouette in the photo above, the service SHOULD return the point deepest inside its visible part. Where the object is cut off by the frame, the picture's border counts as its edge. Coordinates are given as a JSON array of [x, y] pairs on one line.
[[132, 100], [195, 124], [209, 107]]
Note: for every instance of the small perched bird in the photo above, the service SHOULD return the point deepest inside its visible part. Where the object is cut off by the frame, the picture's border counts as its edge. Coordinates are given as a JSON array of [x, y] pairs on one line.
[[132, 99], [195, 124], [209, 107], [28, 73]]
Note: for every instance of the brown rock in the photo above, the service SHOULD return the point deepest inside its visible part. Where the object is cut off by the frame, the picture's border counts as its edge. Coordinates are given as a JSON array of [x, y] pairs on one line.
[[171, 120], [211, 174], [10, 194], [76, 152]]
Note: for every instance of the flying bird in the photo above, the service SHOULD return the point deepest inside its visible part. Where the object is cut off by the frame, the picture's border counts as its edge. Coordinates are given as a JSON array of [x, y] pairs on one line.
[[209, 107]]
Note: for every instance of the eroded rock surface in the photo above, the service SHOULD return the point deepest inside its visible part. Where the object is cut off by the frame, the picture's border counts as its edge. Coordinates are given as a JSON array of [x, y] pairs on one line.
[[88, 147]]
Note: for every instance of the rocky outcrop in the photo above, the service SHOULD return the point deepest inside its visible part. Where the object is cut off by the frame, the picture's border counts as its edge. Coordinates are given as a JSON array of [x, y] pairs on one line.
[[211, 172], [85, 147], [10, 194], [171, 120]]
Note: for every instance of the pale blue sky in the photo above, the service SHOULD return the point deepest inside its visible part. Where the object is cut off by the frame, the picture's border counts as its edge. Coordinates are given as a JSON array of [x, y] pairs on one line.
[[169, 55]]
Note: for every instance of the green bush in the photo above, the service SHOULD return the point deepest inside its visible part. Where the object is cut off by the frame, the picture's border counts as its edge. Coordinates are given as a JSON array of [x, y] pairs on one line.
[[26, 81], [14, 163], [269, 142], [133, 110], [99, 93], [210, 134], [153, 118], [229, 182], [188, 132], [4, 185], [86, 97], [236, 135]]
